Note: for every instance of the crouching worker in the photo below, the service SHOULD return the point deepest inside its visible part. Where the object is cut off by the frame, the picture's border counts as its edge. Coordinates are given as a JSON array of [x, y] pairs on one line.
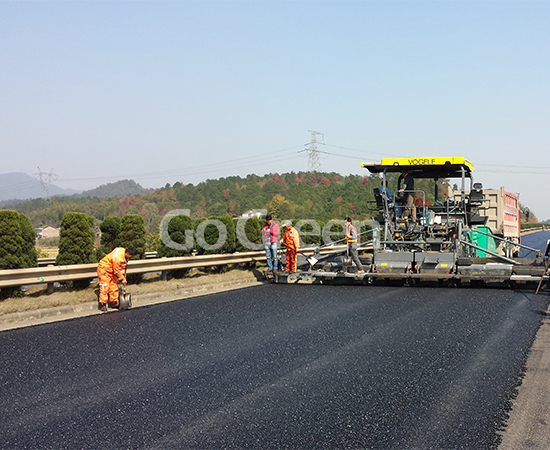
[[291, 239], [109, 269]]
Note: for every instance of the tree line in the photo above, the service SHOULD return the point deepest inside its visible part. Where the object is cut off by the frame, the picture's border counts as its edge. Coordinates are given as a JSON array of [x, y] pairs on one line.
[[303, 195]]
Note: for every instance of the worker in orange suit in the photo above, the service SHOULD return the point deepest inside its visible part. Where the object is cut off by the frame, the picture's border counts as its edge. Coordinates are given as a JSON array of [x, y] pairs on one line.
[[111, 267], [291, 239]]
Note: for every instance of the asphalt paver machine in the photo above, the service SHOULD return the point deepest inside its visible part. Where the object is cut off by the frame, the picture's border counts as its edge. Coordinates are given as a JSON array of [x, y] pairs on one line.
[[447, 242], [449, 239]]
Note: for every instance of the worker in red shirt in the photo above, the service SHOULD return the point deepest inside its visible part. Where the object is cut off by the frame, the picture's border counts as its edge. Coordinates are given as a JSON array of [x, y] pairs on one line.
[[111, 267], [270, 238], [291, 239]]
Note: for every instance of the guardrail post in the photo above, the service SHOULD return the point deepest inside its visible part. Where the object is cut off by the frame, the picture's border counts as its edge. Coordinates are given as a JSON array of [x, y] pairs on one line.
[[50, 285], [164, 275]]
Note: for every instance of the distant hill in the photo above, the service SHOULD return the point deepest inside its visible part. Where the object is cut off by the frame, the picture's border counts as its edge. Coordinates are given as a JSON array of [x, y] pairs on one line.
[[20, 186], [117, 189]]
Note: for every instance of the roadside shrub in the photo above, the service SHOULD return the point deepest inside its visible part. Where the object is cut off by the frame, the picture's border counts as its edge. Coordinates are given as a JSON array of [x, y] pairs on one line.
[[211, 237], [29, 255], [17, 245], [177, 229], [231, 241], [198, 244], [132, 234], [304, 227], [252, 232], [76, 240], [76, 243], [11, 240], [110, 231]]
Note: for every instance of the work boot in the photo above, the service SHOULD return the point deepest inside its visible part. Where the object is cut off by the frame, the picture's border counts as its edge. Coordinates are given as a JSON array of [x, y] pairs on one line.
[[114, 305], [102, 306]]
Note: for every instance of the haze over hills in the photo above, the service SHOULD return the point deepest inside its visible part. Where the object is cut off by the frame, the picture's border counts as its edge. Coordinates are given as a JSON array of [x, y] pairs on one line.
[[18, 186]]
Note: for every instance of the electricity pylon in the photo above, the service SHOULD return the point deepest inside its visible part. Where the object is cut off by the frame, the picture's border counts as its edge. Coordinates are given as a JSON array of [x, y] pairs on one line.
[[313, 162], [45, 180]]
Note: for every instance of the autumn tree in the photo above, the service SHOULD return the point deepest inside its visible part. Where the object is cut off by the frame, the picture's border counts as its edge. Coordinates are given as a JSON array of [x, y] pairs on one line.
[[275, 204], [151, 217]]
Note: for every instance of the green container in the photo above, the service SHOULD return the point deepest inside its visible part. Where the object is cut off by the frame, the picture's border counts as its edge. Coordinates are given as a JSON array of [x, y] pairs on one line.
[[483, 241]]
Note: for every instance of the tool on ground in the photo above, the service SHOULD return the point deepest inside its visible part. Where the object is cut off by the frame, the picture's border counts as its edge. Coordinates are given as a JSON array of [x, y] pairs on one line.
[[124, 300]]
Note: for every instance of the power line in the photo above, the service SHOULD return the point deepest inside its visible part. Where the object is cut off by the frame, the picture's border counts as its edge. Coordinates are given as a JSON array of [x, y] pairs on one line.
[[268, 157]]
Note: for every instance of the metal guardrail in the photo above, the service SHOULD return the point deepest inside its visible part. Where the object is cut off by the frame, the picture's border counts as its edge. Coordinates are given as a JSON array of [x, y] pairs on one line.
[[531, 230], [42, 262], [52, 274]]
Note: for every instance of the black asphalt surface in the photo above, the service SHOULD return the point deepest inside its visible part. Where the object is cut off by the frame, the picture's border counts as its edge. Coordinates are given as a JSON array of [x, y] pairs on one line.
[[535, 240], [274, 366]]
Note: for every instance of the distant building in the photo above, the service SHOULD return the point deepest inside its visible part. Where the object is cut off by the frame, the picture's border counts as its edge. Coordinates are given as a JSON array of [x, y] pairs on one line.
[[48, 232], [259, 213]]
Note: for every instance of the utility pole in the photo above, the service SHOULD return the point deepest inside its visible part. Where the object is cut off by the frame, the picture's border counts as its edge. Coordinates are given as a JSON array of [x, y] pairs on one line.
[[45, 180], [313, 161]]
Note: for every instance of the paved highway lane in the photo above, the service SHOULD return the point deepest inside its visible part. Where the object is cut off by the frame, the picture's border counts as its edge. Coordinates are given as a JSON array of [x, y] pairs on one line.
[[534, 240], [274, 366]]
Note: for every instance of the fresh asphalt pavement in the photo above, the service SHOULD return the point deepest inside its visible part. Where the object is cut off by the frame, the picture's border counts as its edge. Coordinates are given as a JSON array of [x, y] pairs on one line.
[[535, 240], [274, 366]]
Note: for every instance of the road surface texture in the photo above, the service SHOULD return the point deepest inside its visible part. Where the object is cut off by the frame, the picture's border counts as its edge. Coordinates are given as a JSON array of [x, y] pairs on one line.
[[274, 366], [536, 240], [528, 426]]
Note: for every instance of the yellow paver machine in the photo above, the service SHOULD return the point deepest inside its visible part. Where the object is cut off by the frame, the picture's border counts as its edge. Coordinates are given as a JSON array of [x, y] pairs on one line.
[[431, 226]]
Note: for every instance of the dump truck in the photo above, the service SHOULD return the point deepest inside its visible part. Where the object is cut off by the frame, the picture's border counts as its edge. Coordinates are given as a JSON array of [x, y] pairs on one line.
[[503, 217]]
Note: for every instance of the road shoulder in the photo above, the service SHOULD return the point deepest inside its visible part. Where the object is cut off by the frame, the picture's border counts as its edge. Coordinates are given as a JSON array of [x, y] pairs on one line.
[[66, 312], [528, 426]]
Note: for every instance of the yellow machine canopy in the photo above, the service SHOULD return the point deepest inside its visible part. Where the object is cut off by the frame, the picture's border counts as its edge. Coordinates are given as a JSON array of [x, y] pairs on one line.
[[427, 167]]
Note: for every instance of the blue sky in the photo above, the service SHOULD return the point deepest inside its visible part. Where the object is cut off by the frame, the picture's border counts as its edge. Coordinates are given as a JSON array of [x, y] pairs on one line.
[[166, 91]]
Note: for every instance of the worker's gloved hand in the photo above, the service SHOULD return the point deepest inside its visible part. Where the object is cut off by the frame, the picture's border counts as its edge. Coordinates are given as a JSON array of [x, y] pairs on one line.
[[124, 282]]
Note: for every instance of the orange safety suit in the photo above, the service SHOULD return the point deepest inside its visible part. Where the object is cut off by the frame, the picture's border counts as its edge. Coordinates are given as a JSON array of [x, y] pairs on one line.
[[109, 269], [291, 239]]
